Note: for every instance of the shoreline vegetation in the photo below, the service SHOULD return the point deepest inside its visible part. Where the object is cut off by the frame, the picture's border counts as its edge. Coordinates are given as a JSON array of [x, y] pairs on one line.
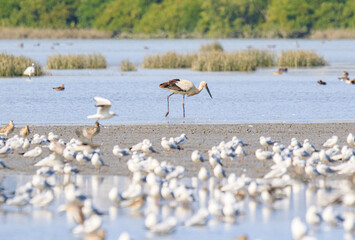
[[90, 33], [212, 58], [180, 19], [76, 61], [14, 66]]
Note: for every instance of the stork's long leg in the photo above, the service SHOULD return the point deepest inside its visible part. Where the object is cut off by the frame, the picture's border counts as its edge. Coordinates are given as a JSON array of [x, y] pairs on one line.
[[183, 105], [167, 113]]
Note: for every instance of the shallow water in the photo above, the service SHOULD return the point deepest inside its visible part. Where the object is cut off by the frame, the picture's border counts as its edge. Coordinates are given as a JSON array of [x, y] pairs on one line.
[[238, 97], [258, 221]]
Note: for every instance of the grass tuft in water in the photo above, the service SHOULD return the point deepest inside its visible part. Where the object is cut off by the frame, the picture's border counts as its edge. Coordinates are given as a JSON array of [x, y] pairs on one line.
[[215, 46], [244, 60], [169, 60], [221, 61], [127, 66], [300, 58], [14, 66], [80, 61]]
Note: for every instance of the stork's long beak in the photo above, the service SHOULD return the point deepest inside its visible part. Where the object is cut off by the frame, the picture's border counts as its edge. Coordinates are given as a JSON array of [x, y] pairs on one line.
[[208, 91]]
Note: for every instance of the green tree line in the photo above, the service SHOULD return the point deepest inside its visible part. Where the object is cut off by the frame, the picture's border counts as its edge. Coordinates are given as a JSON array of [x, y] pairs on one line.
[[211, 18]]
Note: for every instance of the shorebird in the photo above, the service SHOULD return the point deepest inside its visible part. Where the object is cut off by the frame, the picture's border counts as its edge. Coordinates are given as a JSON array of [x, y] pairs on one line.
[[30, 70], [298, 228], [331, 142], [61, 88], [91, 132], [180, 139], [119, 152], [263, 155], [103, 111], [200, 218], [352, 81], [265, 142], [168, 145], [321, 82], [97, 161], [197, 157], [183, 87], [313, 217], [74, 212], [25, 131], [203, 174], [351, 140], [33, 153], [6, 130]]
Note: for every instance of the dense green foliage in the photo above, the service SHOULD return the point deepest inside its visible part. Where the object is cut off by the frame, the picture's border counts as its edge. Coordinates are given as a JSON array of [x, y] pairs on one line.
[[211, 18]]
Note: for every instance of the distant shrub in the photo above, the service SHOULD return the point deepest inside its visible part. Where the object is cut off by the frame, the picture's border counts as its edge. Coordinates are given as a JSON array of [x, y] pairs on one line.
[[126, 66], [80, 61], [169, 60], [13, 66], [300, 58], [215, 46]]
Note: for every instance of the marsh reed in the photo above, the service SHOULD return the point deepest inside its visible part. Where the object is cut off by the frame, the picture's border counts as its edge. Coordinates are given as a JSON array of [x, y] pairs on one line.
[[214, 46], [169, 60], [221, 61], [300, 58], [14, 66], [76, 61], [127, 66], [244, 60]]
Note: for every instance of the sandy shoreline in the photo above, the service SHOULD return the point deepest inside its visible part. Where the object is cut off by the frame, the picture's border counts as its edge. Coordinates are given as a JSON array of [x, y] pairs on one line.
[[200, 136]]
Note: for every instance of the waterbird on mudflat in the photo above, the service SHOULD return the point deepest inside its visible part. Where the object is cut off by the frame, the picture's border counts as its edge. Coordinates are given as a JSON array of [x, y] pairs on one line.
[[33, 153], [29, 71], [298, 228], [60, 88], [263, 155], [25, 131], [119, 152], [197, 157], [180, 139], [331, 142], [351, 140], [103, 111], [89, 133], [168, 145], [266, 142], [183, 87], [7, 129]]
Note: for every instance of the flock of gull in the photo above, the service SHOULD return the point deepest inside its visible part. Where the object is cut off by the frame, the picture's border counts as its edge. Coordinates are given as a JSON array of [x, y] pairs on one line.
[[167, 199]]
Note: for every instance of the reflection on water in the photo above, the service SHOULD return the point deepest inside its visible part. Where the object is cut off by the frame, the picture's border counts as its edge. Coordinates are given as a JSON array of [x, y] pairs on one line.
[[257, 218], [238, 97]]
